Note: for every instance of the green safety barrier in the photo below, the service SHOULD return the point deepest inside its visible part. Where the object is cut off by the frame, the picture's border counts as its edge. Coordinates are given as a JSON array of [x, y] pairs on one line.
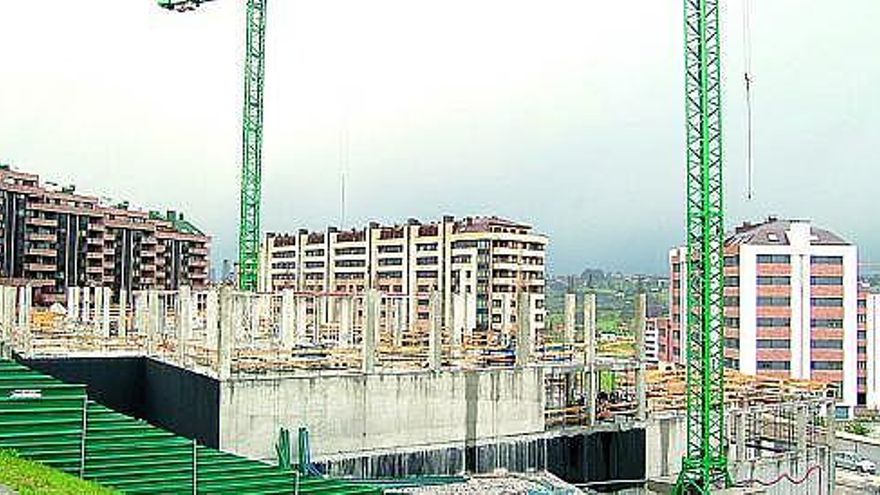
[[56, 424]]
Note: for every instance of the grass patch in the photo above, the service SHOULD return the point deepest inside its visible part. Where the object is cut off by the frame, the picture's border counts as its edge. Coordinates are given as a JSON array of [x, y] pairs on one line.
[[32, 478]]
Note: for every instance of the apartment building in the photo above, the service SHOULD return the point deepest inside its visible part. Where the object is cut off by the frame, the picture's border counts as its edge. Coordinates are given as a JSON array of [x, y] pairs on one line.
[[793, 307], [655, 329], [55, 238], [477, 264]]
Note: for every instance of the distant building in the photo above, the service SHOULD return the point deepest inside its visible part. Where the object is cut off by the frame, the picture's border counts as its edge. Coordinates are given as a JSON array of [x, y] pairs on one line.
[[55, 238], [477, 264], [654, 328], [793, 308]]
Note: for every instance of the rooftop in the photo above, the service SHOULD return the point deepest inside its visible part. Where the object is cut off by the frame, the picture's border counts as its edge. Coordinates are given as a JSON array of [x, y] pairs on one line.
[[775, 231]]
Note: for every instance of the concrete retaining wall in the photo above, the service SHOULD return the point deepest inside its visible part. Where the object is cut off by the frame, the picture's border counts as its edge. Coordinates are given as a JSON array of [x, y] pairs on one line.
[[359, 413]]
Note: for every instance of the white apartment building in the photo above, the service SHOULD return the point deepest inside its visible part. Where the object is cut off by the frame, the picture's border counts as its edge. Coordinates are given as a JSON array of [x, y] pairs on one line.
[[479, 265], [793, 309]]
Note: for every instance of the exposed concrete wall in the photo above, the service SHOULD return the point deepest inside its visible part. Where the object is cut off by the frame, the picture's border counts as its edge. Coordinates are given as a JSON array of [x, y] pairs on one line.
[[358, 413]]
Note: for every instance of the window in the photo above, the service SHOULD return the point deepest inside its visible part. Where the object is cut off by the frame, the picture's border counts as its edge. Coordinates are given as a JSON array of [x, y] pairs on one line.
[[351, 250], [773, 343], [826, 323], [826, 260], [827, 365], [773, 365], [827, 344], [774, 259], [827, 302], [773, 280], [774, 301], [826, 280], [774, 322], [464, 244], [351, 263]]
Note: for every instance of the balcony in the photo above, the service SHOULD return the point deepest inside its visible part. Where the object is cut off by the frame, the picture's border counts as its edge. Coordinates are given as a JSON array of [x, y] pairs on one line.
[[41, 237], [42, 252], [42, 222], [39, 267]]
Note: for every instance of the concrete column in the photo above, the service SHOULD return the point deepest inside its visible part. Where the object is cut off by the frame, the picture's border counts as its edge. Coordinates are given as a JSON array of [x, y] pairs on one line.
[[346, 321], [184, 321], [300, 307], [97, 308], [72, 302], [458, 318], [319, 319], [589, 322], [225, 335], [525, 338], [153, 321], [568, 329], [85, 304], [506, 308], [105, 312], [4, 329], [591, 375], [24, 318], [122, 319], [435, 333], [368, 339], [287, 337], [740, 433], [641, 397], [212, 316], [398, 321], [801, 427]]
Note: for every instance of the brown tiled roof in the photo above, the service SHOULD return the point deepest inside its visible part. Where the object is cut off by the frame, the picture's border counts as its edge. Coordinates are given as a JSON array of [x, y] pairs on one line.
[[775, 232]]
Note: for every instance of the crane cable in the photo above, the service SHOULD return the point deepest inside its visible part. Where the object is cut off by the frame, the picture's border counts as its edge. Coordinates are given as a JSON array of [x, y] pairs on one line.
[[748, 79]]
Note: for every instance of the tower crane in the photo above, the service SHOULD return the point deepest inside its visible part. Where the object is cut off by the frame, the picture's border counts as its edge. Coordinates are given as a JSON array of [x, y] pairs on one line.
[[704, 467], [252, 136]]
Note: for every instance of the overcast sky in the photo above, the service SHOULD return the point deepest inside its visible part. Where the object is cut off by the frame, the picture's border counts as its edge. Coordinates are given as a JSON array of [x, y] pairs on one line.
[[567, 114]]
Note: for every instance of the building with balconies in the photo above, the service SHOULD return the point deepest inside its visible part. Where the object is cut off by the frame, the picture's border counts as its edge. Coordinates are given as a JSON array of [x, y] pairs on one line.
[[478, 265], [54, 238]]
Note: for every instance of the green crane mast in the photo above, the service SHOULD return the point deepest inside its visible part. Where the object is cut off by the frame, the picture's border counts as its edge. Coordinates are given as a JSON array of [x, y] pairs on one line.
[[252, 137], [704, 467]]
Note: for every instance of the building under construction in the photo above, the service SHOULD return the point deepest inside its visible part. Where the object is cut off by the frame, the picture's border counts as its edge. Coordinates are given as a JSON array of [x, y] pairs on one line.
[[55, 238], [230, 369]]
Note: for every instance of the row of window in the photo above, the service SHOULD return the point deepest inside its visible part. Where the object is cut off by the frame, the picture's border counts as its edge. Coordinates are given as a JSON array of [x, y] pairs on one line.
[[785, 259], [784, 280], [786, 365]]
